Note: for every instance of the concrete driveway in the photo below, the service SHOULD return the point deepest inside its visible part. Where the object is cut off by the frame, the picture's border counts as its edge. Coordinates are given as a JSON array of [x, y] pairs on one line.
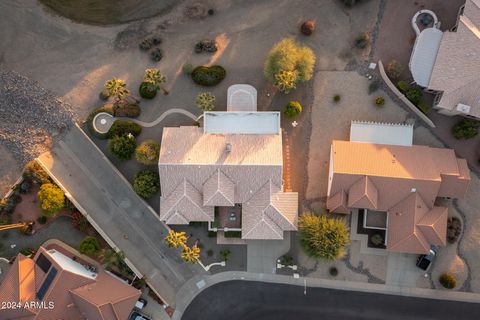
[[262, 255], [402, 271]]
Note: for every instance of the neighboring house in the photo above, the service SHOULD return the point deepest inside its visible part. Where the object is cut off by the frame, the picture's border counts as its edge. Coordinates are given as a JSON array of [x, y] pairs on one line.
[[55, 286], [228, 173], [380, 172], [448, 63]]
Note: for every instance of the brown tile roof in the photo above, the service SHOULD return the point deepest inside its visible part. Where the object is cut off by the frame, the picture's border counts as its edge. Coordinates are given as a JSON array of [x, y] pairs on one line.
[[67, 286], [384, 178], [219, 190]]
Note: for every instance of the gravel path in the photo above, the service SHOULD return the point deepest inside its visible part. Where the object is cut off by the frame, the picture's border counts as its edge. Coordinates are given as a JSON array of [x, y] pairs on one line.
[[31, 116]]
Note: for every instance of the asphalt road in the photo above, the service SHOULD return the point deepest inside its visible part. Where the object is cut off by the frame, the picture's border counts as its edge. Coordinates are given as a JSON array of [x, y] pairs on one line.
[[247, 300]]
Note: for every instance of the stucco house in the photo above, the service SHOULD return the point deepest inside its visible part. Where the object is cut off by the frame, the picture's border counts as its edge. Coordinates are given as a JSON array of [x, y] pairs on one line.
[[380, 172], [448, 63], [56, 285], [227, 173]]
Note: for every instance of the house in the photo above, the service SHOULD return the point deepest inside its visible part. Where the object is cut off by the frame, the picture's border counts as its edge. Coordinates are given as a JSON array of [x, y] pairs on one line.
[[448, 63], [227, 173], [380, 172], [55, 285]]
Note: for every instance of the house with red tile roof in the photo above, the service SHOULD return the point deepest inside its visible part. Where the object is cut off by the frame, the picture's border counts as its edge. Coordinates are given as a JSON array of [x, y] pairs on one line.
[[233, 166], [54, 285], [398, 182]]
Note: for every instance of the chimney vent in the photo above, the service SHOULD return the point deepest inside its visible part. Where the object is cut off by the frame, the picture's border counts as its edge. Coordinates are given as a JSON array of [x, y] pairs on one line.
[[228, 147]]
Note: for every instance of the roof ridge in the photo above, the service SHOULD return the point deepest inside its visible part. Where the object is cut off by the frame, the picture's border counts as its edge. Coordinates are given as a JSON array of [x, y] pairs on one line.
[[392, 124]]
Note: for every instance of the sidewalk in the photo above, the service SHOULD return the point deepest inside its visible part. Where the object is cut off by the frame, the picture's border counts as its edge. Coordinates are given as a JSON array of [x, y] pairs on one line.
[[197, 284]]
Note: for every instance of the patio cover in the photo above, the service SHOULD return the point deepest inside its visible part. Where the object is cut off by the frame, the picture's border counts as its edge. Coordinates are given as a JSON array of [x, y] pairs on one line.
[[381, 133], [424, 55], [242, 122]]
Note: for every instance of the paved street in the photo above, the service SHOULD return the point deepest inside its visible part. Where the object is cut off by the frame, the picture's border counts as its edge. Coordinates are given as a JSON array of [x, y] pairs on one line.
[[124, 217], [264, 301]]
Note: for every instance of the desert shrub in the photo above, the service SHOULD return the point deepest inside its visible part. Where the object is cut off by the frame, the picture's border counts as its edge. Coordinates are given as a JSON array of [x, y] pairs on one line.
[[79, 221], [454, 229], [377, 239], [208, 76], [286, 260], [125, 108], [152, 83], [423, 107], [288, 64], [205, 101], [373, 86], [122, 147], [147, 91], [42, 219], [308, 27], [465, 129], [147, 152], [156, 54], [403, 86], [292, 109], [146, 183], [89, 246], [52, 199], [207, 45], [336, 98], [156, 40], [35, 172], [414, 95], [447, 280], [146, 44], [333, 271], [225, 254], [323, 237], [379, 101], [124, 127], [187, 68], [394, 69], [362, 40]]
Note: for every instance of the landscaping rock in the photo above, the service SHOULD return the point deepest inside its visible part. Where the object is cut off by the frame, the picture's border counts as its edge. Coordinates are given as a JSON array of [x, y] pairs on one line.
[[31, 116]]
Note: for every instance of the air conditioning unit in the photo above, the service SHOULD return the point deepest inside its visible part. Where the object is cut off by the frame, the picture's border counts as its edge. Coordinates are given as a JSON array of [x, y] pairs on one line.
[[463, 108]]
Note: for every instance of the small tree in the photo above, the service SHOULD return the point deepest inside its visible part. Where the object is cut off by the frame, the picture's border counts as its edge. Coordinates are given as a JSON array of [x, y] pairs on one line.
[[147, 152], [205, 101], [152, 81], [89, 246], [52, 199], [123, 147], [394, 69], [292, 109], [146, 183], [288, 63], [176, 239], [116, 88], [192, 254], [323, 237]]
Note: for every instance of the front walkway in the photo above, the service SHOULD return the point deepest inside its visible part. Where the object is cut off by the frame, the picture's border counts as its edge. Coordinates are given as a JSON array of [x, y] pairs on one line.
[[119, 215]]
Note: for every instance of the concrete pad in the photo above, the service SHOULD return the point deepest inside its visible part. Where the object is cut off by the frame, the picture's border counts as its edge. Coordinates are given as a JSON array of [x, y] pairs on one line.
[[262, 255]]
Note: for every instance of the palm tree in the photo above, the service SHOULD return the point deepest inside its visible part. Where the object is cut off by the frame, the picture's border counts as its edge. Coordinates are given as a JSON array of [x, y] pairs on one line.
[[176, 239], [191, 254], [205, 101], [117, 88], [154, 78]]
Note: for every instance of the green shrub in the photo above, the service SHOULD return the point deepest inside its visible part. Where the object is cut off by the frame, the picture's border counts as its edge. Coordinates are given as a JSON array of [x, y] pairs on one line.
[[89, 246], [122, 147], [146, 183], [465, 129], [124, 127], [447, 280], [233, 234], [92, 115], [147, 91], [288, 64], [208, 76], [156, 54], [379, 101], [336, 98], [27, 251], [394, 69], [286, 260], [403, 86], [225, 254], [205, 101], [147, 152], [362, 40], [42, 219], [414, 95], [373, 86], [212, 234], [292, 109], [333, 271], [52, 199], [423, 107], [323, 237]]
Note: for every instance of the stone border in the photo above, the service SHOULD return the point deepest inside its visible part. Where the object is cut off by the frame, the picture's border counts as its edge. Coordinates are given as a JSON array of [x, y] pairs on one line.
[[407, 102]]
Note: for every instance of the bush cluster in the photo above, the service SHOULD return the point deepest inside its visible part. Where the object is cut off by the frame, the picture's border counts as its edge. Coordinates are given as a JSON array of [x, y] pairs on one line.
[[362, 40], [394, 69], [89, 246], [454, 229], [292, 109], [465, 129], [208, 76], [209, 46], [122, 146], [147, 152], [124, 127], [147, 91], [125, 108], [146, 183]]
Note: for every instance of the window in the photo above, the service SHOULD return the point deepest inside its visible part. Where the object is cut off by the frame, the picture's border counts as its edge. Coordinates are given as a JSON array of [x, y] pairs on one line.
[[46, 283], [43, 263]]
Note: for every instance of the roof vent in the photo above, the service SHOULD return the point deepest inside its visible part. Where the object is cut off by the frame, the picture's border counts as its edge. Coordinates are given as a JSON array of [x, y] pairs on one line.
[[228, 147], [413, 190]]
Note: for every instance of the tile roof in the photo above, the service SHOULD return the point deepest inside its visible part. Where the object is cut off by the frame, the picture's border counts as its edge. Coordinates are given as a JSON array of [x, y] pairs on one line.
[[219, 190], [363, 194], [338, 202]]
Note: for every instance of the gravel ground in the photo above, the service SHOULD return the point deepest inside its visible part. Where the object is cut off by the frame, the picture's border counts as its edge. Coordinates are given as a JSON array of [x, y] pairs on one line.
[[31, 116]]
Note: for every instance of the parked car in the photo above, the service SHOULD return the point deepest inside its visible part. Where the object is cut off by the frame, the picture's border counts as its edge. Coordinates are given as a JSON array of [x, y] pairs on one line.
[[135, 315], [425, 260], [140, 304]]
